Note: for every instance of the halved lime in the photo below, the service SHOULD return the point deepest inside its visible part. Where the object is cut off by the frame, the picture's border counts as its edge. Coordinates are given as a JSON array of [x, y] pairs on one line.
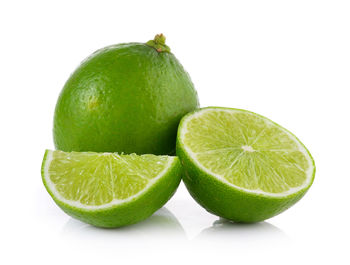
[[109, 189], [240, 165]]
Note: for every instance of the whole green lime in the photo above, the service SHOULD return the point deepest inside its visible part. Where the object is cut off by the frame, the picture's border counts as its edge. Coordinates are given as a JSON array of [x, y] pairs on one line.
[[124, 98]]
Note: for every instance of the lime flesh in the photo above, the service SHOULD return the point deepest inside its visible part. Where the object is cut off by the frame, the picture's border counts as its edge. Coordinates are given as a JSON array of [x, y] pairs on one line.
[[108, 189], [242, 166]]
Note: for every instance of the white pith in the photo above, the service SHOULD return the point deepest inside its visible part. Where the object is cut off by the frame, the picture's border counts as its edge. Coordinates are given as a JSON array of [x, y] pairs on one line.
[[193, 156], [247, 148], [77, 204]]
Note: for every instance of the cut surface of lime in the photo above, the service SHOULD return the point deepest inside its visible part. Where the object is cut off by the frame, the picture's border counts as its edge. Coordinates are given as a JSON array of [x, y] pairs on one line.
[[245, 151], [85, 183]]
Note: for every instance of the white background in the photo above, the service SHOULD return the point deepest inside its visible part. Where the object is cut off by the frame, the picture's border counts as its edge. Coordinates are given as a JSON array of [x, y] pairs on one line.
[[287, 60]]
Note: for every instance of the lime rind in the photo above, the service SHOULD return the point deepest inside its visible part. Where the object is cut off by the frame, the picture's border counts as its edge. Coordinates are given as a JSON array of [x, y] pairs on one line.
[[51, 187], [192, 156]]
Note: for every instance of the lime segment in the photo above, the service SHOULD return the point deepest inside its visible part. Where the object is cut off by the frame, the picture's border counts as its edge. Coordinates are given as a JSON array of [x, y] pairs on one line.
[[83, 183], [240, 165]]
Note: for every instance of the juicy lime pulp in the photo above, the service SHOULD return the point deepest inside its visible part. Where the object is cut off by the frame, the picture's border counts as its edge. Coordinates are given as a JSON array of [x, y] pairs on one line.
[[247, 151], [124, 98], [122, 188]]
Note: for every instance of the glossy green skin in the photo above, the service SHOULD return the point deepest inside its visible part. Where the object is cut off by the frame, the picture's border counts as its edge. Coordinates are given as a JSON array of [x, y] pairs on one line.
[[124, 98], [226, 201], [129, 212]]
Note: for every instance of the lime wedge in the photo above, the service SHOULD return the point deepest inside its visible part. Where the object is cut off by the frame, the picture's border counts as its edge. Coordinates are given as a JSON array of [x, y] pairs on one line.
[[108, 189], [242, 166]]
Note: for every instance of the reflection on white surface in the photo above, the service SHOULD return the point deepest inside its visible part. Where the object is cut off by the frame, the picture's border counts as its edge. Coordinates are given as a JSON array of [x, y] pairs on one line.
[[162, 224], [224, 231]]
